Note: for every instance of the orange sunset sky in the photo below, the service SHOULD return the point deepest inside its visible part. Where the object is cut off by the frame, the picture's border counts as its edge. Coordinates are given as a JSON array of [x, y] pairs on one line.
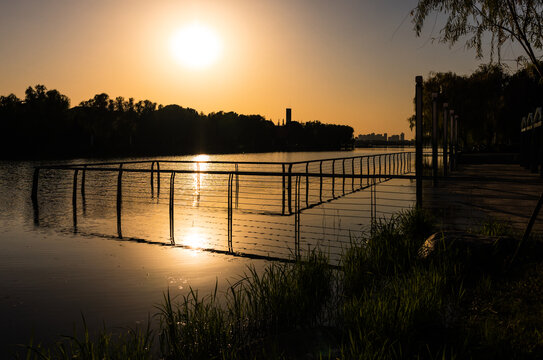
[[345, 62]]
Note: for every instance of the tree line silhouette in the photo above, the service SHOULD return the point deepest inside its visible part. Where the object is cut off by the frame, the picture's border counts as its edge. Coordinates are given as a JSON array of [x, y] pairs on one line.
[[42, 125], [490, 104]]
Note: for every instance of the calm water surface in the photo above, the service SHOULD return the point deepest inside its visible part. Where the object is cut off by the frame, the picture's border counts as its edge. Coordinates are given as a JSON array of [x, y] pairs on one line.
[[53, 270]]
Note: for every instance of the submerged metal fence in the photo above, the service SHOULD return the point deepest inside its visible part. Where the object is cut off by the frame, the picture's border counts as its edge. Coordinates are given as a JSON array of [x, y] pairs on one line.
[[258, 209]]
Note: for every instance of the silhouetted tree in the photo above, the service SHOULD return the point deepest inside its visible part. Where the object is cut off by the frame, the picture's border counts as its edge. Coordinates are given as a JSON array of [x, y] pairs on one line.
[[519, 21]]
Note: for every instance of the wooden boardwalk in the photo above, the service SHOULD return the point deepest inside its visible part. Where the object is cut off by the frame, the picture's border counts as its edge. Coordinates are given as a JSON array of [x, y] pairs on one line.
[[478, 193]]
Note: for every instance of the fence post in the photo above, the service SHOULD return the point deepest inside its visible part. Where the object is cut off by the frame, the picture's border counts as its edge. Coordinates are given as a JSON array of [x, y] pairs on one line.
[[380, 156], [534, 145], [230, 211], [368, 168], [343, 185], [445, 138], [283, 197], [297, 219], [307, 184], [152, 179], [74, 200], [522, 141], [34, 196], [289, 194], [333, 178], [83, 182], [320, 189], [352, 173], [119, 201], [373, 157], [157, 180], [237, 186], [35, 179], [418, 139], [540, 141], [171, 206], [434, 137], [451, 142], [361, 171]]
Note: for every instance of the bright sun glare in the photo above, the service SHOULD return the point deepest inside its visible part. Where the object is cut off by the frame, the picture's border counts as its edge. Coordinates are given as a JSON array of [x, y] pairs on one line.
[[195, 46]]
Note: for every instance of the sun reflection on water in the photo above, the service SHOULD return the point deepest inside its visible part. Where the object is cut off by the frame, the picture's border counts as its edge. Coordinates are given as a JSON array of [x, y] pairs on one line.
[[197, 178], [194, 239]]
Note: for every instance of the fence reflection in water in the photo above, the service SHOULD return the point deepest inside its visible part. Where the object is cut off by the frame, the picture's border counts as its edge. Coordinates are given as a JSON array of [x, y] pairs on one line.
[[262, 209]]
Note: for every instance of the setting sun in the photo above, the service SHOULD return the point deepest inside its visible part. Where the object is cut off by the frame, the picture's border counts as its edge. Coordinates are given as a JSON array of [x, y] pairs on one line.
[[195, 46]]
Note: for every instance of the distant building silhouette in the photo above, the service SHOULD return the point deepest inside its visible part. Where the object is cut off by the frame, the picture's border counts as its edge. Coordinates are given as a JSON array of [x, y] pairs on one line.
[[289, 115], [373, 137], [381, 138], [394, 138]]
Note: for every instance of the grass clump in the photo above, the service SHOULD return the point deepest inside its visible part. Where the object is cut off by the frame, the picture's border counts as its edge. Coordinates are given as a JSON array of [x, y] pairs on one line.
[[127, 344], [392, 248], [284, 297]]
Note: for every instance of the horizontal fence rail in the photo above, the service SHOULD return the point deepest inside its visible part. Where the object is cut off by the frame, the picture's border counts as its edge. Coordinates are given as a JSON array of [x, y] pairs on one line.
[[274, 210]]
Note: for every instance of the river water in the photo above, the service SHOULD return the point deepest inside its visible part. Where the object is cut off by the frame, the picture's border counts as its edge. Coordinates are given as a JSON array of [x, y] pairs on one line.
[[58, 264]]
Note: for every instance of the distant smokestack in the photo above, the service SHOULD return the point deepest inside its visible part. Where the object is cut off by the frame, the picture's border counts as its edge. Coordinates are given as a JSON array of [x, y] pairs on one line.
[[289, 115]]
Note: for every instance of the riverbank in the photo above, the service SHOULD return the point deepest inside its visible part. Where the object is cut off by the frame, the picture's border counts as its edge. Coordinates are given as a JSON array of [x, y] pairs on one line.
[[386, 302]]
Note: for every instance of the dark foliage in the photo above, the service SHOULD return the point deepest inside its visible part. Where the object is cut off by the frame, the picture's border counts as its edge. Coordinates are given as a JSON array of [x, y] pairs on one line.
[[43, 125], [490, 104]]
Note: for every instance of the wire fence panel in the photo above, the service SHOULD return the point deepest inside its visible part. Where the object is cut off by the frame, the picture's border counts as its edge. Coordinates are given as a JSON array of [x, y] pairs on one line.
[[265, 209]]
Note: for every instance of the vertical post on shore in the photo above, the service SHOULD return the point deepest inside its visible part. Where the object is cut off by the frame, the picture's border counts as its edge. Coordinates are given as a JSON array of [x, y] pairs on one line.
[[434, 137], [534, 145], [418, 139], [74, 200], [283, 197], [540, 141], [171, 207], [119, 201], [157, 181], [456, 141], [454, 136], [445, 138], [451, 142], [289, 194], [446, 119]]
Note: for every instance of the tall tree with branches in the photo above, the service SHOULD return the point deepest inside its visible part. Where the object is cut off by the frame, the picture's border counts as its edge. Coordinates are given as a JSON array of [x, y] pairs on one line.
[[519, 21]]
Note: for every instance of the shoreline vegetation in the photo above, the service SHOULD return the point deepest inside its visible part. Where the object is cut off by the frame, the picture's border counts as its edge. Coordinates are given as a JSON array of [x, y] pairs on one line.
[[387, 301], [43, 126]]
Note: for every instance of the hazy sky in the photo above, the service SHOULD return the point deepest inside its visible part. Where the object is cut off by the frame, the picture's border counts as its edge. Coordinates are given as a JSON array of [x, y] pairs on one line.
[[345, 62]]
